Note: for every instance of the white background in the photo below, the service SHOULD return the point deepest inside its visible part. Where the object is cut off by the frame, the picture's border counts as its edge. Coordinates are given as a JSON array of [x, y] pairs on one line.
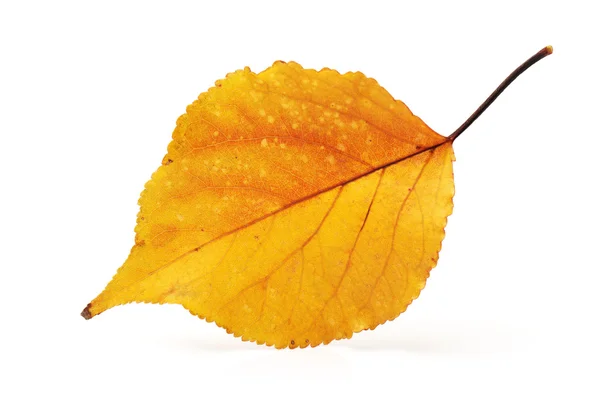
[[89, 95]]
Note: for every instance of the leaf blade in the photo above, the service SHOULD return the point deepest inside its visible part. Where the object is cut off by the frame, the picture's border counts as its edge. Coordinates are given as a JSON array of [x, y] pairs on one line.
[[215, 177]]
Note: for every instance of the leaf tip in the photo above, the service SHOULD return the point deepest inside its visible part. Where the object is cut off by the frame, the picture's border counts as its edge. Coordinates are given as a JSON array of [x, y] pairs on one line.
[[86, 314]]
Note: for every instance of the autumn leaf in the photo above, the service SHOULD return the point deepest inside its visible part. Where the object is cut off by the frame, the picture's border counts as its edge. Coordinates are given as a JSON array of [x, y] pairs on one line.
[[293, 207]]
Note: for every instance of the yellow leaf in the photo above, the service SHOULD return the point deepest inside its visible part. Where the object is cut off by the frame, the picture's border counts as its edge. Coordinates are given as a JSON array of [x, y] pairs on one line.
[[293, 207]]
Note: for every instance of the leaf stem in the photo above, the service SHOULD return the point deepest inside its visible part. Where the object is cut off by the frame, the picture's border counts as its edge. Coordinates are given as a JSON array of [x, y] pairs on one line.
[[546, 51]]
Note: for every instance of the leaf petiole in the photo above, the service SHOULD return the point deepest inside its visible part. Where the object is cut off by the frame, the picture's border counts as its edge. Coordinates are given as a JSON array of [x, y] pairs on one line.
[[546, 51]]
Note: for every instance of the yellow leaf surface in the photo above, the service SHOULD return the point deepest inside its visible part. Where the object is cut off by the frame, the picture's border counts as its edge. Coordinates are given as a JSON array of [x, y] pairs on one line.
[[293, 207]]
